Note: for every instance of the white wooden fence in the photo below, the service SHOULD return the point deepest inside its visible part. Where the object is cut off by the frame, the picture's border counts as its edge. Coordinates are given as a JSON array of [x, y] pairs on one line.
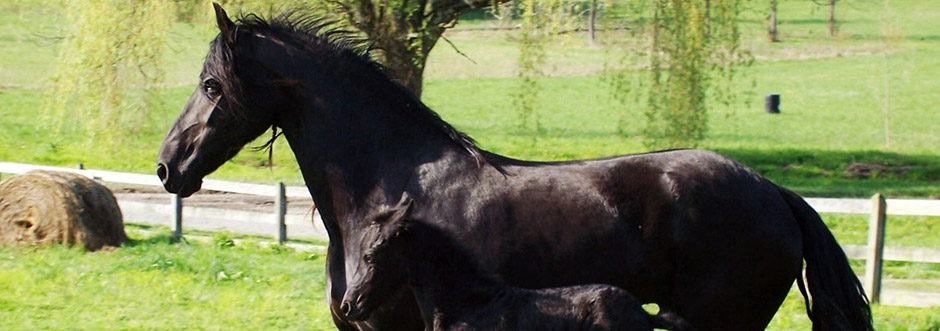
[[279, 192], [874, 252]]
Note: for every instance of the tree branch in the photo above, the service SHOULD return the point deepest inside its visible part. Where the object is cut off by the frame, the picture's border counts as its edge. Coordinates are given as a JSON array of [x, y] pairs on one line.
[[458, 50]]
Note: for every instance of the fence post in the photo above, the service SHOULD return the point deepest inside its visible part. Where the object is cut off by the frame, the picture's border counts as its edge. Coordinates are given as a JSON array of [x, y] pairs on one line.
[[876, 243], [280, 211], [176, 213]]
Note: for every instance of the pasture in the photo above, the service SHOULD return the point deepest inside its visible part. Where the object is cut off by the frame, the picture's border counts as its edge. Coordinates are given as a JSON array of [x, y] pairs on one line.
[[155, 282], [832, 117]]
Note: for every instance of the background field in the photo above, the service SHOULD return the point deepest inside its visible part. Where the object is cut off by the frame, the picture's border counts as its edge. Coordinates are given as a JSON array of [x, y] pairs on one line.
[[832, 118], [831, 88]]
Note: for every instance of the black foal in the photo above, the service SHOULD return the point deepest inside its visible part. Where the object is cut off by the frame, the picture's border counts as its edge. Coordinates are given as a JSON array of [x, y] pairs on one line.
[[453, 293]]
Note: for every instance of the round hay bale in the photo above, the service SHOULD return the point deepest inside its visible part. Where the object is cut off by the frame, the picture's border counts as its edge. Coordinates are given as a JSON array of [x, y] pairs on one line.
[[46, 207]]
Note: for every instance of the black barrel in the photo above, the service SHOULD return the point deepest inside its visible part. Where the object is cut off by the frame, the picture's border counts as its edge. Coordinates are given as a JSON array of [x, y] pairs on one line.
[[772, 103]]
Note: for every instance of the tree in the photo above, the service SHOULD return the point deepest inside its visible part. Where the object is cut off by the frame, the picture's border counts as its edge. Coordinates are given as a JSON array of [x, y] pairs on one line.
[[403, 32], [692, 49], [772, 22], [832, 18], [891, 38], [692, 52], [832, 15], [592, 21], [107, 67]]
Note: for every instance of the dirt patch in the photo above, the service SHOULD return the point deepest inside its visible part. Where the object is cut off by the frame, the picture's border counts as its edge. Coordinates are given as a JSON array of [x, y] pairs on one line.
[[867, 170]]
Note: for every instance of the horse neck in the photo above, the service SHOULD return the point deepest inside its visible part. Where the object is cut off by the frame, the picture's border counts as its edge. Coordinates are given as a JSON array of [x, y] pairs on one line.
[[444, 278], [359, 139]]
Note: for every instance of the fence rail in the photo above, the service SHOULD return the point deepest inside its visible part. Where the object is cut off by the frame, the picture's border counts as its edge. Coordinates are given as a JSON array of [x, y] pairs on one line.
[[279, 192], [874, 252]]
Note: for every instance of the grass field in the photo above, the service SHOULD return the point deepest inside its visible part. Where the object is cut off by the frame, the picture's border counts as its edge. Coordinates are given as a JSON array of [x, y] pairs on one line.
[[832, 114], [156, 283], [832, 117]]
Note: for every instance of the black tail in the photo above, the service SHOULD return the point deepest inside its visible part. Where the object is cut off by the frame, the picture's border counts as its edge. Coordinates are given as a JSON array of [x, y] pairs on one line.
[[670, 321], [838, 299]]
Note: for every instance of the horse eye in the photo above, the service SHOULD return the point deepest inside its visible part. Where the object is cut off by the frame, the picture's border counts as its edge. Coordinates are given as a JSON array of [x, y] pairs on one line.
[[367, 258], [211, 87]]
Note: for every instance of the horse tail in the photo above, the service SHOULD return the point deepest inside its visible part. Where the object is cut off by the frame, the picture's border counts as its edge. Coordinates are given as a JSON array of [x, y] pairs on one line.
[[670, 321], [838, 299]]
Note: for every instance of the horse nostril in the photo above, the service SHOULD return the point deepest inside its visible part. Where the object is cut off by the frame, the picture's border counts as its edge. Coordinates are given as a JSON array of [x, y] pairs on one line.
[[345, 308], [162, 172]]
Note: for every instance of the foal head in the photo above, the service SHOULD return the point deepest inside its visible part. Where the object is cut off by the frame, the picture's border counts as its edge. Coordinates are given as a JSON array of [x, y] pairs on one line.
[[378, 271]]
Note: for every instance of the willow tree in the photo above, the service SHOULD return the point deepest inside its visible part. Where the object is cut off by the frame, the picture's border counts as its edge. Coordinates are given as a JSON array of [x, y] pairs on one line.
[[695, 49], [403, 32], [107, 67], [539, 19], [689, 50]]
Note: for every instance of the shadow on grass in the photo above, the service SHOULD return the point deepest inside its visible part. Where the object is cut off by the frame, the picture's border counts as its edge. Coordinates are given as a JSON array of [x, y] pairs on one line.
[[161, 238], [846, 173]]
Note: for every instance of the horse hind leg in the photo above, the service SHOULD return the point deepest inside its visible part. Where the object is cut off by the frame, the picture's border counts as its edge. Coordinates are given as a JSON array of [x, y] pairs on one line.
[[735, 290]]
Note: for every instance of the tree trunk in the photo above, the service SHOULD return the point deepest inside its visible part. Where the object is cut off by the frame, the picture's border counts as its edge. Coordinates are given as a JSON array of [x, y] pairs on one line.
[[403, 33], [592, 19], [405, 64], [832, 18], [772, 28], [410, 75]]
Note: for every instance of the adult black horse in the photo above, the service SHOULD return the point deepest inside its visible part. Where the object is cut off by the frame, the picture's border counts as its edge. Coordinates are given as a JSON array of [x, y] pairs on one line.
[[695, 232]]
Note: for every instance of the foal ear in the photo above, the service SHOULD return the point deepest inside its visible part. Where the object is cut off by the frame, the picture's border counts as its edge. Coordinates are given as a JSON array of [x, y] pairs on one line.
[[402, 210], [226, 26]]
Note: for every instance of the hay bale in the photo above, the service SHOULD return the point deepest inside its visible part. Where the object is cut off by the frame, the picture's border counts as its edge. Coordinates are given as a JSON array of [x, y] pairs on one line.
[[46, 207]]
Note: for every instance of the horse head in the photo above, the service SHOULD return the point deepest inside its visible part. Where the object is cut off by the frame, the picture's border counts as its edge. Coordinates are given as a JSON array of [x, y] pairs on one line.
[[375, 269], [234, 103]]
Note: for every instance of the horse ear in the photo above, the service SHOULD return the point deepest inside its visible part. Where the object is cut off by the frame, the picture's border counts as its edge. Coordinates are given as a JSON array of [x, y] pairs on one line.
[[226, 26]]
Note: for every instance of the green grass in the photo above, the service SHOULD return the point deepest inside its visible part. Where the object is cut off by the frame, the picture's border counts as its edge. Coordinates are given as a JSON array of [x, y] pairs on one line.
[[831, 118], [154, 282]]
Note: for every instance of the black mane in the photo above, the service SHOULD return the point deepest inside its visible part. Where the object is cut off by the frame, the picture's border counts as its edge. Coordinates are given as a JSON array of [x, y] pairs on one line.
[[317, 34]]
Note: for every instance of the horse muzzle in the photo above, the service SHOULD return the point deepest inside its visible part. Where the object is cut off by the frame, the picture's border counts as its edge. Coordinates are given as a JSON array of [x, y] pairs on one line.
[[176, 182]]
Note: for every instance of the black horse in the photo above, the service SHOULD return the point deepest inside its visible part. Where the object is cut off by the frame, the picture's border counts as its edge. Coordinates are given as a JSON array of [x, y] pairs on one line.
[[690, 230], [453, 293]]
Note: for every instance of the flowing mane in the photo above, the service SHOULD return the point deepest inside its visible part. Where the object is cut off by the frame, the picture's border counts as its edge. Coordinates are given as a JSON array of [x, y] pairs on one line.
[[318, 35]]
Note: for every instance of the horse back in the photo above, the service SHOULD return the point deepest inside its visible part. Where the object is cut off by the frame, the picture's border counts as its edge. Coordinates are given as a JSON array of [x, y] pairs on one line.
[[623, 221]]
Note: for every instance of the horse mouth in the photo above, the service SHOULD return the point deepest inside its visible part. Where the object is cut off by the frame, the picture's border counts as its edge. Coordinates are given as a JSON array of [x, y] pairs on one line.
[[188, 188], [359, 313], [184, 187], [360, 310]]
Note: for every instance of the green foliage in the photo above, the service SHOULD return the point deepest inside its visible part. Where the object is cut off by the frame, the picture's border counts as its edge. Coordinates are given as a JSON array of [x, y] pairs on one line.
[[108, 68], [830, 117], [693, 45], [401, 32], [530, 61], [539, 21]]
